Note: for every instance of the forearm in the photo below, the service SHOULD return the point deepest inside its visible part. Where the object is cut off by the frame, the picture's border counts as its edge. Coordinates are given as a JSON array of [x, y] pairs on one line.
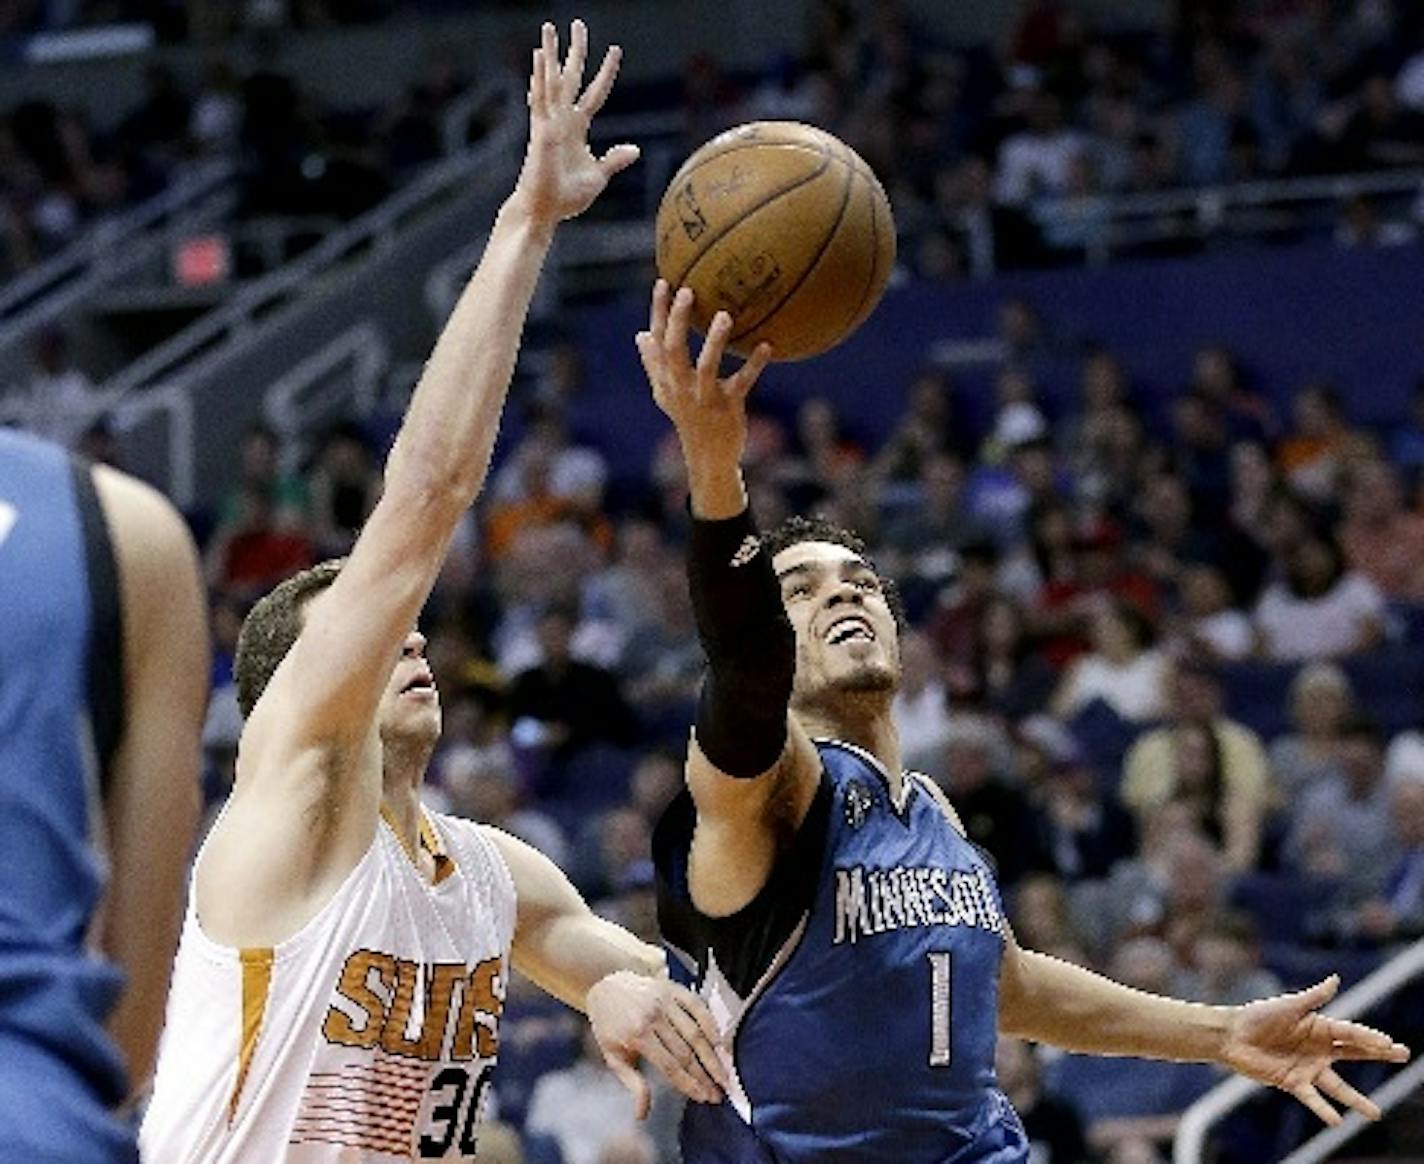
[[580, 952], [448, 436], [715, 486], [1051, 1001]]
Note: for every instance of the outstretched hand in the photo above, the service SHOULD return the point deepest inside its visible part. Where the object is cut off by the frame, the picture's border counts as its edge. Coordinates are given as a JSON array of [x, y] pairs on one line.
[[561, 176], [636, 1017], [709, 411], [1286, 1042]]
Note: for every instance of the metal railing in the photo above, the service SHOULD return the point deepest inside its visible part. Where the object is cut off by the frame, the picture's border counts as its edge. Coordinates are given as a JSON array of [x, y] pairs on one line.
[[376, 229], [1225, 1098], [311, 394], [1110, 223], [41, 293]]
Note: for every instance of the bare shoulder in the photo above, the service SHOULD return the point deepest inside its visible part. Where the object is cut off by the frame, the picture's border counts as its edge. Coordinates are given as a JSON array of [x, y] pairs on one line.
[[148, 530], [937, 794]]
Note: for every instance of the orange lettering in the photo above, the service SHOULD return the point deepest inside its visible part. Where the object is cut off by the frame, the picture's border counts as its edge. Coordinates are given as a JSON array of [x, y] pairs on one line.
[[477, 1028], [355, 986], [437, 1008]]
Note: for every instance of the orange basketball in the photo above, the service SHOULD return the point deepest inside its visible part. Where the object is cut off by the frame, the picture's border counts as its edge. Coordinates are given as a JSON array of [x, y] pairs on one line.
[[784, 227]]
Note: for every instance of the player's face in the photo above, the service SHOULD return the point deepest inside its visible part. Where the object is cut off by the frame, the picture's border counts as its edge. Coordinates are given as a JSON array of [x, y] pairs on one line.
[[846, 639], [410, 704]]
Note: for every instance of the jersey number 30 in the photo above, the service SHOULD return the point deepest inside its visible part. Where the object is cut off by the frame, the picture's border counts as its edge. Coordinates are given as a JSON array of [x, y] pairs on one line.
[[457, 1115], [941, 1051]]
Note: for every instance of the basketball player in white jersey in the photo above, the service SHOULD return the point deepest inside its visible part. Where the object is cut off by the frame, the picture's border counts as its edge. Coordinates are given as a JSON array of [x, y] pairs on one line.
[[342, 969]]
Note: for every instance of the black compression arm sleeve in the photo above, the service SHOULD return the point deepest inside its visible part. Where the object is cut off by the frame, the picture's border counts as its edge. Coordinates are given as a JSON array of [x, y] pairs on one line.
[[751, 648]]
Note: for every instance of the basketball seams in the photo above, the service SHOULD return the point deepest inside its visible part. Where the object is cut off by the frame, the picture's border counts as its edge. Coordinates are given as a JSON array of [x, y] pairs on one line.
[[874, 255], [804, 147], [815, 259], [751, 210]]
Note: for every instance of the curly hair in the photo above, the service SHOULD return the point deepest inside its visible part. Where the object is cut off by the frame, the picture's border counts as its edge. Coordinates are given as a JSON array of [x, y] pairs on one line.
[[795, 530]]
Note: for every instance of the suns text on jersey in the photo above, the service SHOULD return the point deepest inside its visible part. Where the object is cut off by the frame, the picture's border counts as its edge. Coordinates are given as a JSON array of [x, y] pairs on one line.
[[877, 901], [377, 994]]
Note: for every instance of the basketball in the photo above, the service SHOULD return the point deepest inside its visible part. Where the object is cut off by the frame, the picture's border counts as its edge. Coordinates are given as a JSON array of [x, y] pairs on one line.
[[785, 228]]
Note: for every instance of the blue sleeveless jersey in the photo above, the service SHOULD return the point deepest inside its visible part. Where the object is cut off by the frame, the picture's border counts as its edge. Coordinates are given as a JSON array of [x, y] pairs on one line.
[[60, 715], [859, 989]]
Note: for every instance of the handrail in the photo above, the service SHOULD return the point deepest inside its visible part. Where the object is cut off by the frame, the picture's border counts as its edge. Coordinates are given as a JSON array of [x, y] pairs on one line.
[[239, 311], [1398, 972], [106, 234]]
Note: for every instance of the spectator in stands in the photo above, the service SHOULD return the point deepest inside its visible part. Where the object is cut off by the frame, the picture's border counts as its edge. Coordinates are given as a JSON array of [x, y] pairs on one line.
[[1073, 830], [1226, 966], [1382, 540], [1202, 449], [1042, 914], [488, 792], [1396, 913], [563, 704], [991, 234], [59, 401], [1068, 606], [532, 499], [921, 704], [662, 660], [577, 474], [656, 779], [1341, 827], [499, 1144], [344, 485], [258, 548], [1218, 378], [1211, 628], [260, 471], [1321, 706], [934, 521], [823, 453], [626, 591], [161, 121], [993, 810], [612, 846], [1318, 609], [1037, 160], [953, 624], [1170, 536], [1055, 1134], [1151, 776], [583, 1107], [1212, 120], [1005, 676], [1313, 454], [1231, 810], [630, 1147], [217, 110], [928, 426], [1125, 669]]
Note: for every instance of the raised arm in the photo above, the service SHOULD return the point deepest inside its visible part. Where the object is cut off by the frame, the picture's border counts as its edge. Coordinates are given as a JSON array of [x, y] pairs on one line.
[[298, 820], [1283, 1042], [751, 769], [152, 806]]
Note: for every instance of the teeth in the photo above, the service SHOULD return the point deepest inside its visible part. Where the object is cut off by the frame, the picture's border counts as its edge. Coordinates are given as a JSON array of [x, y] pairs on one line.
[[850, 629]]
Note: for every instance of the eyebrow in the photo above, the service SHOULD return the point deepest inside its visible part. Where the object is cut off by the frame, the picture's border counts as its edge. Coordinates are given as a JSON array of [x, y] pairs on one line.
[[844, 567]]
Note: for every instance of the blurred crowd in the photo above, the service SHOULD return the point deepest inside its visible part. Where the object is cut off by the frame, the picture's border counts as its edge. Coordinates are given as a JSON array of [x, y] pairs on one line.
[[997, 156]]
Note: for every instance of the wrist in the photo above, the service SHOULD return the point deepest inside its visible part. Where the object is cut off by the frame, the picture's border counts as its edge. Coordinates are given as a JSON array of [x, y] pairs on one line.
[[521, 215], [716, 488], [1218, 1024]]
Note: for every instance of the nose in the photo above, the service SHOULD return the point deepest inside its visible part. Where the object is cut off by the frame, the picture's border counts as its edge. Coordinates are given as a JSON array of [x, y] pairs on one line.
[[846, 592], [414, 645]]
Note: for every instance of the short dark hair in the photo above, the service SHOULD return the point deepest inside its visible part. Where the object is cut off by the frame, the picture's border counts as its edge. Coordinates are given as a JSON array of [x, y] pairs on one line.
[[270, 629], [795, 530]]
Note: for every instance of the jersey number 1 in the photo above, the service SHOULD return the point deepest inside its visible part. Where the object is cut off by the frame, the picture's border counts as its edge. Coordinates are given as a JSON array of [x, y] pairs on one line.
[[941, 1052]]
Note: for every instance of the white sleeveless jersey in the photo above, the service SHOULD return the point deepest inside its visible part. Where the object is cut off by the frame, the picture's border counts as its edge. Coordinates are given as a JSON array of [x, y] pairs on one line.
[[370, 1035]]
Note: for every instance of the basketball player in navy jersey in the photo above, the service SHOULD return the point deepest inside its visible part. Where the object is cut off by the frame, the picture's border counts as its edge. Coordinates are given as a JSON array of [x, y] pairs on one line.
[[850, 941], [103, 656]]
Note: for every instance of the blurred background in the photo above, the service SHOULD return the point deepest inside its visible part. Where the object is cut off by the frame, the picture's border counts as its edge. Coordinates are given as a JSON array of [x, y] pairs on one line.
[[1139, 430]]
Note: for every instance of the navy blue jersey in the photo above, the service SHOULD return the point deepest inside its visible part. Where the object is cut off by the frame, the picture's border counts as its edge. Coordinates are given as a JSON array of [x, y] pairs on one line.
[[60, 716], [859, 989]]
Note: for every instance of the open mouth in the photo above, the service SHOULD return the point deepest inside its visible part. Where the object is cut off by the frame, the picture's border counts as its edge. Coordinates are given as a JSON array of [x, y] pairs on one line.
[[851, 628], [420, 682]]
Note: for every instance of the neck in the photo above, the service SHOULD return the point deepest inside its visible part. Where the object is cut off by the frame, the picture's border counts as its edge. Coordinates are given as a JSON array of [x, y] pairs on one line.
[[863, 720], [402, 771]]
